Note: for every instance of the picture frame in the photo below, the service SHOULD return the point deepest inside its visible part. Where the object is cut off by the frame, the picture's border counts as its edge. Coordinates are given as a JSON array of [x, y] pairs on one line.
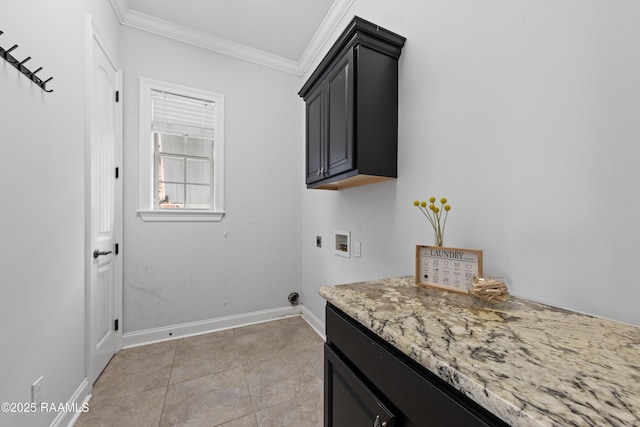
[[450, 269]]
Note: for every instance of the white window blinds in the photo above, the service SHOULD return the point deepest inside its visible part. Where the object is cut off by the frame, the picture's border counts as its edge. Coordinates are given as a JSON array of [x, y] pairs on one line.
[[182, 115]]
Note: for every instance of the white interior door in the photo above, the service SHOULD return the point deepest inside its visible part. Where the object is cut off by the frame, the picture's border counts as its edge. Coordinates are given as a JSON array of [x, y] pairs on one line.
[[105, 288]]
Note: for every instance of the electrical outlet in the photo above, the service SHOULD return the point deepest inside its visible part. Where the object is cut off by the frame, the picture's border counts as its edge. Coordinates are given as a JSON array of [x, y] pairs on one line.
[[36, 391], [357, 249]]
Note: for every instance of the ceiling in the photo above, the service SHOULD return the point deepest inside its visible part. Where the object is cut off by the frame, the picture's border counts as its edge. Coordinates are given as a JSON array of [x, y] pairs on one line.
[[282, 34]]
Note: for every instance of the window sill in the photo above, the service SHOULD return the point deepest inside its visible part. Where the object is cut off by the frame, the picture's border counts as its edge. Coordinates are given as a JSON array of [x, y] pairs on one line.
[[182, 215]]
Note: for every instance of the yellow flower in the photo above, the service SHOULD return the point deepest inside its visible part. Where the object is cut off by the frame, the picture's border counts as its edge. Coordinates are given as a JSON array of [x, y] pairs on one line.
[[434, 215]]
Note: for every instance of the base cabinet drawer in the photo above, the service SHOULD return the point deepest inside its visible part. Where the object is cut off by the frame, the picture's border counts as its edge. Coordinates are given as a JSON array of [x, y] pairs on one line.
[[348, 401], [412, 395]]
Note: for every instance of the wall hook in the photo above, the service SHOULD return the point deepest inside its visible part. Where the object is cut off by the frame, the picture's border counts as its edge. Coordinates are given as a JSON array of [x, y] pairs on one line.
[[19, 65], [6, 54]]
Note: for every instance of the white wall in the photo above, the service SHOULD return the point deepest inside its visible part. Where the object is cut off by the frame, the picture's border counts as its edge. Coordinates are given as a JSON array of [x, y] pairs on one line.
[[42, 218], [183, 272], [525, 115]]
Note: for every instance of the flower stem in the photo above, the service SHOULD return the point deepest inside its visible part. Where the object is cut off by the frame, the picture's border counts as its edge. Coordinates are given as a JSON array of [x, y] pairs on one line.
[[445, 220], [424, 211]]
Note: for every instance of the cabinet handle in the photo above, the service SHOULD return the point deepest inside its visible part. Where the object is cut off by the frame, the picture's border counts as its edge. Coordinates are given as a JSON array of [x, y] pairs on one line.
[[376, 422]]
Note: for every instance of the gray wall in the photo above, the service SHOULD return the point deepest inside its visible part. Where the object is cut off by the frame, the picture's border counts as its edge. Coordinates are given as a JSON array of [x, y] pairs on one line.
[[182, 272], [525, 115], [42, 172]]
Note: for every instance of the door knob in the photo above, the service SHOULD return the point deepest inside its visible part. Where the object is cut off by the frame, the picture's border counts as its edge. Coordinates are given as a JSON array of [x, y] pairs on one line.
[[97, 253]]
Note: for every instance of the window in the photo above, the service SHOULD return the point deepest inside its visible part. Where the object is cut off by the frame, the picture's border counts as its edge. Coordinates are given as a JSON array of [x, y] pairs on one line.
[[181, 153], [183, 171]]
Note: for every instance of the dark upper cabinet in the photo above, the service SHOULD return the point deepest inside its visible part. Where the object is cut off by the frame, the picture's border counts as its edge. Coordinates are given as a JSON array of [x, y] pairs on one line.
[[330, 123], [352, 109]]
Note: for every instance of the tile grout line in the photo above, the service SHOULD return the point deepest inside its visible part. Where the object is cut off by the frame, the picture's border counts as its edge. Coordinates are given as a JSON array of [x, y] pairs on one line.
[[166, 391], [244, 377]]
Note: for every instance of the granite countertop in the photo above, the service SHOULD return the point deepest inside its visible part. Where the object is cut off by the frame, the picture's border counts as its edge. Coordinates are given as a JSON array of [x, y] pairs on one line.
[[528, 363]]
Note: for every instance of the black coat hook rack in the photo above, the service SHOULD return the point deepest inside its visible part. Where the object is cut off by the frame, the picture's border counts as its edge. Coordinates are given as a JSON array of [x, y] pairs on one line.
[[19, 65]]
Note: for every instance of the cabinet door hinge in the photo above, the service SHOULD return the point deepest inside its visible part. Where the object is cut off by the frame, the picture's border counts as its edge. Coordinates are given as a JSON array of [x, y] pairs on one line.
[[116, 326], [117, 96], [117, 172], [117, 248]]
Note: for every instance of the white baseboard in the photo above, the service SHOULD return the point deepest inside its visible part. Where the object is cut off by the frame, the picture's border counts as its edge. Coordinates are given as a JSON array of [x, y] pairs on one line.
[[80, 396], [167, 333], [313, 321]]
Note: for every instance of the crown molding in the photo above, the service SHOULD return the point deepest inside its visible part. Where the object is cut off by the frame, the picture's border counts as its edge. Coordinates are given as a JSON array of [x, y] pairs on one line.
[[170, 30], [327, 28], [120, 7], [144, 22]]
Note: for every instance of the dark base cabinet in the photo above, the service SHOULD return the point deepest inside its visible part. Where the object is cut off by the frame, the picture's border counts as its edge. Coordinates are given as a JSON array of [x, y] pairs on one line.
[[370, 383]]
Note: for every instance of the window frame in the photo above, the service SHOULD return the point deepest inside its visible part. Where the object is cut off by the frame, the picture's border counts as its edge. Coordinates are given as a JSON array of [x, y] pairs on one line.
[[146, 157]]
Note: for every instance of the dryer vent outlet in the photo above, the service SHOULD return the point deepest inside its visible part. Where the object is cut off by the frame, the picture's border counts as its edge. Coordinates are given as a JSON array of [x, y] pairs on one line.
[[294, 298]]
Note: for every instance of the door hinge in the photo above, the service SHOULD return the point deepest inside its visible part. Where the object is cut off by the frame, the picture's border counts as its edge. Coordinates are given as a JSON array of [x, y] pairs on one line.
[[117, 248], [116, 325], [117, 172], [117, 96]]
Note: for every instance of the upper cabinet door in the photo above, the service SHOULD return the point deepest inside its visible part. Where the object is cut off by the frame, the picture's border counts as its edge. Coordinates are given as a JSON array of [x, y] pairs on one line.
[[315, 136], [339, 104]]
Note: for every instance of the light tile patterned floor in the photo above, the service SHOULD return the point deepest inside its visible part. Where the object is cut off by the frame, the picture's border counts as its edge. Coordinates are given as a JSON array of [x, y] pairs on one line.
[[269, 374]]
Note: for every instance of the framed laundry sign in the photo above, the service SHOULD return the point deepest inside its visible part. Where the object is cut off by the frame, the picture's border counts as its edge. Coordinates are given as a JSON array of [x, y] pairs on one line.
[[451, 269]]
